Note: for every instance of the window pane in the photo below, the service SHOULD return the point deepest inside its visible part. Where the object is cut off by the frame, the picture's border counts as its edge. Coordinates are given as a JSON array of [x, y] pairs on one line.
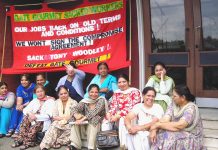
[[210, 24], [178, 74], [210, 78], [168, 25]]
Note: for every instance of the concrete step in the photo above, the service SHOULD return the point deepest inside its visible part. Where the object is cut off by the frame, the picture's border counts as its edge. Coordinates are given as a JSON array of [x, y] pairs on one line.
[[211, 148], [209, 133], [209, 114], [211, 142], [208, 124]]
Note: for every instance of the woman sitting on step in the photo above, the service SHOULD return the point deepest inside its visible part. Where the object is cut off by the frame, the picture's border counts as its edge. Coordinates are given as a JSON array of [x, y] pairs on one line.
[[7, 100], [181, 127], [123, 100], [88, 115], [145, 114], [37, 117], [163, 85], [58, 133]]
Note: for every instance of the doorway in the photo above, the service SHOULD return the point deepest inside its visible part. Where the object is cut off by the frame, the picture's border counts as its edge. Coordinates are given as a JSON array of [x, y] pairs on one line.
[[184, 35]]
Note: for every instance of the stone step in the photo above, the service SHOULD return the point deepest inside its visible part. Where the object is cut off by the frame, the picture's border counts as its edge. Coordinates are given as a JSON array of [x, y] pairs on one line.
[[211, 148], [208, 124], [211, 142], [208, 133], [209, 114]]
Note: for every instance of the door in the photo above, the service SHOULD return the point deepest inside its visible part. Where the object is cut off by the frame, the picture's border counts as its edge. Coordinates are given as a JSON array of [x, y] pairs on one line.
[[174, 35], [206, 47]]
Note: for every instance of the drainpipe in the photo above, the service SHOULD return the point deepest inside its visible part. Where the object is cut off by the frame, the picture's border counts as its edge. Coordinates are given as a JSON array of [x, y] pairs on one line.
[[141, 44]]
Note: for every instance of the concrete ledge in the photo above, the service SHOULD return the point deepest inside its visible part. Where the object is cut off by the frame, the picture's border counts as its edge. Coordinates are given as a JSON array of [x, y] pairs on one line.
[[208, 124], [208, 133], [210, 142], [209, 114], [207, 102]]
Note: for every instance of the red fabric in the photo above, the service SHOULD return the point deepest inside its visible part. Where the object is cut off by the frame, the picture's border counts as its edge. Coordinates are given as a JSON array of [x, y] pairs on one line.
[[43, 57], [123, 103]]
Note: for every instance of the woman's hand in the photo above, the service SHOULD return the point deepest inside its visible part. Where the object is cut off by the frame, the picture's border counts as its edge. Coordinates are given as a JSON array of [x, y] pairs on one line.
[[78, 116], [32, 116], [115, 118], [104, 90], [108, 116], [153, 136], [78, 122], [155, 126], [19, 107], [57, 118], [133, 130], [154, 120], [163, 73]]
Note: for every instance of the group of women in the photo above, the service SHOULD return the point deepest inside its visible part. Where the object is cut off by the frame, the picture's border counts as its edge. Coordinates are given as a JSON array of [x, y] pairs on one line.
[[74, 116]]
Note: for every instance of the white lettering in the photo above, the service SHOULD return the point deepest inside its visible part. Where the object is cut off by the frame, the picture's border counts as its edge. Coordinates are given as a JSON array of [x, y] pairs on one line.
[[88, 51]]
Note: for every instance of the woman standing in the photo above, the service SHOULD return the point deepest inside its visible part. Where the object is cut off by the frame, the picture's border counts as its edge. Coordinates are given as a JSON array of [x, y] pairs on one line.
[[37, 118], [6, 103], [59, 132], [163, 85], [91, 109], [24, 96], [122, 103], [181, 127], [73, 81], [41, 80], [145, 114], [106, 82]]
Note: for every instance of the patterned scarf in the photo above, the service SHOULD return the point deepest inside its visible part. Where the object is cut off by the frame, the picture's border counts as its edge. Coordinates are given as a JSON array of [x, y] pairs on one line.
[[178, 112], [91, 101], [67, 111], [156, 79]]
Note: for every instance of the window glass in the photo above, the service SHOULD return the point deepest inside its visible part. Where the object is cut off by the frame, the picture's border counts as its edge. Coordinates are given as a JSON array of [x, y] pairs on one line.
[[210, 78], [178, 74], [168, 25], [210, 24]]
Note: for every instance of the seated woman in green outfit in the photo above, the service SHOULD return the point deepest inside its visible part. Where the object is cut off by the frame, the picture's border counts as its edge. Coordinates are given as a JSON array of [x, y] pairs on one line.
[[163, 85]]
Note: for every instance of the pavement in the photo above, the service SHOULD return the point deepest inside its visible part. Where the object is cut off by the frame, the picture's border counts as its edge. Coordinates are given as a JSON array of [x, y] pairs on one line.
[[5, 144]]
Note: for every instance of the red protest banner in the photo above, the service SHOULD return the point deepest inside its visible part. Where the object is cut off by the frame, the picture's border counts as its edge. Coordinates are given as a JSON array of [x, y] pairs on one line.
[[46, 39]]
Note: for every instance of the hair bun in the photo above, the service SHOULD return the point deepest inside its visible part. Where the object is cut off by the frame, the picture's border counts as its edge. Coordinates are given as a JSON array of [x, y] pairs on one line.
[[191, 97]]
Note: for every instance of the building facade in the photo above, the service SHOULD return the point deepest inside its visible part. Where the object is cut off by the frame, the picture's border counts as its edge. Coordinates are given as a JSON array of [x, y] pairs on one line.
[[181, 33]]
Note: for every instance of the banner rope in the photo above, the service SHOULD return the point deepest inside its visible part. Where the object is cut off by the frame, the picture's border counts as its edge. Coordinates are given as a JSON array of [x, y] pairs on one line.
[[130, 43], [3, 49]]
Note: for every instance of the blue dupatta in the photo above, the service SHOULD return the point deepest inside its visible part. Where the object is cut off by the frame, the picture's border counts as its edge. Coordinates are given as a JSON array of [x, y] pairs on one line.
[[110, 82]]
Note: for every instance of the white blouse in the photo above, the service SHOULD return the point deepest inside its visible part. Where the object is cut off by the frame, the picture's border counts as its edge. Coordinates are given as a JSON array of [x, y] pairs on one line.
[[45, 114]]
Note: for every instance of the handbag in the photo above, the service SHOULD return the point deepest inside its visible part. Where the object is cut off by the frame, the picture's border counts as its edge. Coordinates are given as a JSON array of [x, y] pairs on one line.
[[107, 139], [39, 136]]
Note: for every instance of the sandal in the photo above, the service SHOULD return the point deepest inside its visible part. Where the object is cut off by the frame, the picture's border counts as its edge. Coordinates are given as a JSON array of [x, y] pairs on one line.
[[57, 146], [24, 147], [16, 144], [9, 134], [71, 147], [15, 135]]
